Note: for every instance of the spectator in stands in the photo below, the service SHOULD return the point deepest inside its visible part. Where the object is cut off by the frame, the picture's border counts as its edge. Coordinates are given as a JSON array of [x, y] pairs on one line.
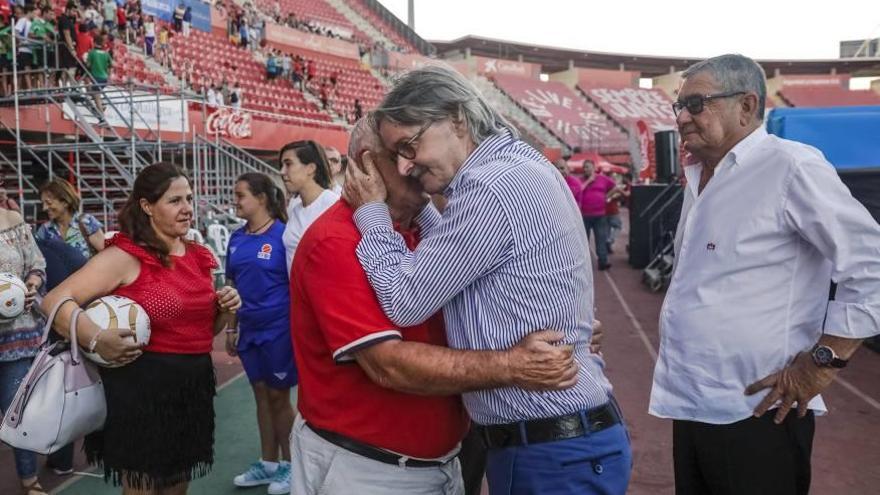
[[262, 341], [271, 65], [149, 35], [769, 225], [297, 75], [42, 33], [187, 20], [24, 16], [92, 17], [211, 96], [61, 203], [177, 17], [5, 57], [164, 48], [99, 62], [324, 94], [109, 8], [235, 97], [592, 199], [444, 133], [21, 335], [358, 110], [311, 70], [67, 50], [243, 31], [286, 64], [122, 23], [334, 159]]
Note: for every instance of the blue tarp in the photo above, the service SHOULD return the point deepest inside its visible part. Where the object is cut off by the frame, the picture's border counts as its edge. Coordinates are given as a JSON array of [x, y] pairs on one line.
[[848, 136], [164, 9]]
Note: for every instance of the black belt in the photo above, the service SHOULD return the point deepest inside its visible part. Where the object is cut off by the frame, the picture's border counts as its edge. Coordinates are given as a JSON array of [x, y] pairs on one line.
[[371, 452], [550, 429]]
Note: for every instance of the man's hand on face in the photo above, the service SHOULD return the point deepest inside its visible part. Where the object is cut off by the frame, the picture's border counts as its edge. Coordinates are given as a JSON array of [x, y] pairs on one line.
[[363, 186], [539, 362], [798, 382]]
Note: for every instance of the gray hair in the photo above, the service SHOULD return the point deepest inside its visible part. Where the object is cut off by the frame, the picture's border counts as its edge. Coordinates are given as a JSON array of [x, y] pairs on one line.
[[363, 137], [436, 92], [734, 72]]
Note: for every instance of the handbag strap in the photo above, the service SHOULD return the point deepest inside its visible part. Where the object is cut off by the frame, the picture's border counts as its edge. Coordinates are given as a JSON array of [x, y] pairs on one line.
[[51, 317], [74, 343]]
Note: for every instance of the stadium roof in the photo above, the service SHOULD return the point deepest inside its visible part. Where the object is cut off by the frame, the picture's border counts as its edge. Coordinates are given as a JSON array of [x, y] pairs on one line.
[[557, 59]]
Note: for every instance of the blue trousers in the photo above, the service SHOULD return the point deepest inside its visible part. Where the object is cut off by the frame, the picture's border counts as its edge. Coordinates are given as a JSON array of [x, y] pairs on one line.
[[599, 226], [11, 375], [597, 463]]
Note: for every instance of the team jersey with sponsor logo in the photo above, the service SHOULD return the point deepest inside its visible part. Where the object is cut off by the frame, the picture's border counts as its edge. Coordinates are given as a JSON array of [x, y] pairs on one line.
[[256, 263]]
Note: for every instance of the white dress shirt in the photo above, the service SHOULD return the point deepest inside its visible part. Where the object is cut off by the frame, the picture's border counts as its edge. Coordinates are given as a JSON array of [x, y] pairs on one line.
[[300, 217], [755, 254]]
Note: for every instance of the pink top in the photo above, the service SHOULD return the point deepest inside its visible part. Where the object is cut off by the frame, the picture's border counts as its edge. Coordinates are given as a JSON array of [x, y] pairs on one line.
[[591, 198], [574, 184]]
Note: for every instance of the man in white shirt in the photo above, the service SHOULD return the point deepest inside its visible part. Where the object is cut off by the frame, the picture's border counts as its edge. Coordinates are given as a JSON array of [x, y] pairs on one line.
[[747, 326]]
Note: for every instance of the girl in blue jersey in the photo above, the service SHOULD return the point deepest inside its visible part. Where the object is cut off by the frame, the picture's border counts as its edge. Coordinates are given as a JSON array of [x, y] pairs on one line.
[[256, 266]]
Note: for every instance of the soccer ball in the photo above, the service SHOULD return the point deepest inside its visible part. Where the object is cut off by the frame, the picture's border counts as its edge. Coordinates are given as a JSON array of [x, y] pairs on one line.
[[12, 292], [118, 312]]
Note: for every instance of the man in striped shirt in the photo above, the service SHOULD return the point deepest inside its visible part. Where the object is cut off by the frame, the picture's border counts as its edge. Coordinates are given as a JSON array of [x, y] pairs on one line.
[[508, 255]]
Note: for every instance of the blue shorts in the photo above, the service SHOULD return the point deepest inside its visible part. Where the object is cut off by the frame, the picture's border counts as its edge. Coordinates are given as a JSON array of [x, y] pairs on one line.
[[271, 363]]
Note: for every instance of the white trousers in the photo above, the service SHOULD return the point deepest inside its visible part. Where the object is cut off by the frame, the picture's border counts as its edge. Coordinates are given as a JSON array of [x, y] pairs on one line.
[[322, 468]]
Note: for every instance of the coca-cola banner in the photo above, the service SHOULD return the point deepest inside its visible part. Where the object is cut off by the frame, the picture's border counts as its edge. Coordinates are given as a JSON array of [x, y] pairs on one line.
[[227, 122], [630, 105], [565, 114], [297, 41], [493, 66]]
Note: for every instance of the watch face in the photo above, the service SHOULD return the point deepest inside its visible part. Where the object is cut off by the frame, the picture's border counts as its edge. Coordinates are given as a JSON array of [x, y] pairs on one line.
[[823, 355]]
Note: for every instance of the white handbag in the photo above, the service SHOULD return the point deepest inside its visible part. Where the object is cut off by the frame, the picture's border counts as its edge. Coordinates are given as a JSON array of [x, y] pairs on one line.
[[60, 399]]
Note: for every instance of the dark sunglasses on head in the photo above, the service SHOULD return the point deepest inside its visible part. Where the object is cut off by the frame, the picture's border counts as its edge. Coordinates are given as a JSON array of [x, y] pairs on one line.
[[695, 104]]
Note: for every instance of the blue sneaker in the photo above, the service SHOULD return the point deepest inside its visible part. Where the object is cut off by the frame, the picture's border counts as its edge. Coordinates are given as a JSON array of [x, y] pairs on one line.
[[281, 484], [256, 475]]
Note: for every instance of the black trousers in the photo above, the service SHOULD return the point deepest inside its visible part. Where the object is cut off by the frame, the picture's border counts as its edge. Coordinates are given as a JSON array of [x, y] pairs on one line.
[[473, 457], [754, 456]]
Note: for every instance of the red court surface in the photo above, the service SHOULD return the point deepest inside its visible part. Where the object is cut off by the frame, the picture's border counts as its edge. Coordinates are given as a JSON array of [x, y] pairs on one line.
[[846, 456]]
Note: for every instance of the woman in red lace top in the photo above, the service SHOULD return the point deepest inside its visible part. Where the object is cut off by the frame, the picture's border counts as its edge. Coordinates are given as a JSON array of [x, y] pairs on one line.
[[160, 414]]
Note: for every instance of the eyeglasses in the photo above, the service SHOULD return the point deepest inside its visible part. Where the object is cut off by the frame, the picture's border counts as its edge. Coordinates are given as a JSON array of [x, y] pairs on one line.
[[407, 149], [695, 104]]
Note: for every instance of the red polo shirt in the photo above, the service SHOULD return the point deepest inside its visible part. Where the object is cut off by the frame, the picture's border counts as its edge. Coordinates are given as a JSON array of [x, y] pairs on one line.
[[334, 313]]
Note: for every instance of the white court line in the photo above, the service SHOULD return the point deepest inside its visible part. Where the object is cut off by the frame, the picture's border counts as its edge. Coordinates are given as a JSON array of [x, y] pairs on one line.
[[858, 393], [638, 326]]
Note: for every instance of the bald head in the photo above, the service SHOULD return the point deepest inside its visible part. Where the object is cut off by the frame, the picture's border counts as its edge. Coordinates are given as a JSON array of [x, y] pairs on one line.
[[364, 137]]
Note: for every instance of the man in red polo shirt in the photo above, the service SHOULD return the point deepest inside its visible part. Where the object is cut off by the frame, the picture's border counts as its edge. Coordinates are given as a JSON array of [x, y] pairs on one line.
[[379, 406]]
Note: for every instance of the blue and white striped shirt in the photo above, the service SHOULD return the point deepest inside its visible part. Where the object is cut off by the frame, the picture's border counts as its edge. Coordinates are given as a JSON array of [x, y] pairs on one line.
[[508, 256]]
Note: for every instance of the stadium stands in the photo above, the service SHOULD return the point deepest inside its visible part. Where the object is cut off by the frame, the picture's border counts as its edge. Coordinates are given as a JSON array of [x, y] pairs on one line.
[[827, 96], [215, 60], [380, 25], [574, 121], [626, 106]]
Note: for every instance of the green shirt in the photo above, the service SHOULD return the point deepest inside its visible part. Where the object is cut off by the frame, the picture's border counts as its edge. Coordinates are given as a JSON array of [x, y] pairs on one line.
[[99, 63], [6, 42]]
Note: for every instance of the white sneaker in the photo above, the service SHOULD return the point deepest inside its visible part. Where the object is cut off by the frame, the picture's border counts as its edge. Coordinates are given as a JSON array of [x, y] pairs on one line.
[[281, 484], [256, 474]]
